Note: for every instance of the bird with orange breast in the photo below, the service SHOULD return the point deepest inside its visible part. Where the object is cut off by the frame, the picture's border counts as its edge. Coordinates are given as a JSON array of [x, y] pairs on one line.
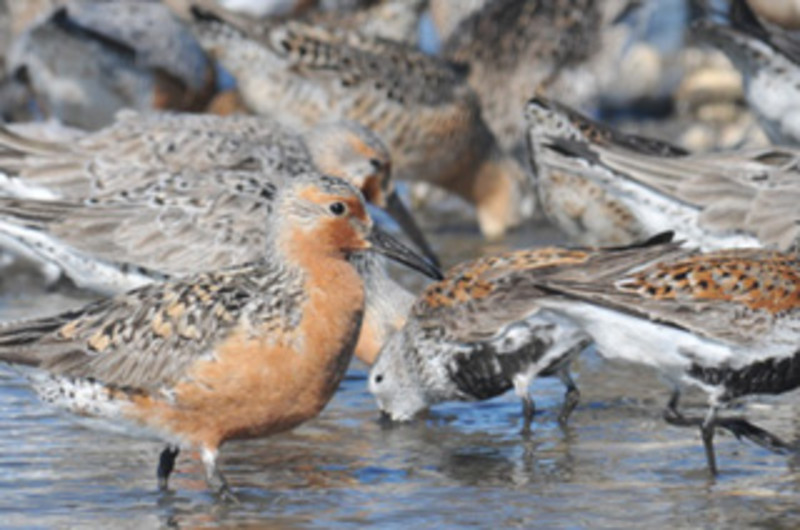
[[118, 162], [236, 353], [163, 195], [419, 105]]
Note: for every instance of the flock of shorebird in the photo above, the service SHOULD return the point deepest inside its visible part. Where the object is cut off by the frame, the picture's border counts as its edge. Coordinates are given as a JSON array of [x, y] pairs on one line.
[[243, 270]]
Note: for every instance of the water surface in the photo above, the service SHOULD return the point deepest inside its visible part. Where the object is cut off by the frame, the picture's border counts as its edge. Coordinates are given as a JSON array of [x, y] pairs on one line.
[[617, 464]]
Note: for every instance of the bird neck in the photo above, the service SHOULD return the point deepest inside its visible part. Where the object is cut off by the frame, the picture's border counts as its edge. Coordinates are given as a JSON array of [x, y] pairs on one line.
[[387, 305], [333, 310]]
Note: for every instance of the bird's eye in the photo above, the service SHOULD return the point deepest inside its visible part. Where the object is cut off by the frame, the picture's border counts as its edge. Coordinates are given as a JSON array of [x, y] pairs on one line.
[[338, 208], [379, 378]]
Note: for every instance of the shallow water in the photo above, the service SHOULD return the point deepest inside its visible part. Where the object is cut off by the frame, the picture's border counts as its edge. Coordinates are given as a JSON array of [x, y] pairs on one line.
[[617, 464]]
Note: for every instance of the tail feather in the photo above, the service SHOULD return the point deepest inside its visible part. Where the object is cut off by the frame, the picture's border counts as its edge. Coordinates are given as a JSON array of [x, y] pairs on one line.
[[742, 428], [20, 342]]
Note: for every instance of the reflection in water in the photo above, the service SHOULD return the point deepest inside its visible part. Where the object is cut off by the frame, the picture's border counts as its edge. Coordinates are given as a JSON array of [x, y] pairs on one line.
[[617, 464]]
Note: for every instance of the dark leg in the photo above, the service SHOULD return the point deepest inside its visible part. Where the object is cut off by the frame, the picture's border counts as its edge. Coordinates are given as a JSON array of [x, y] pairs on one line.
[[166, 463], [739, 427], [528, 412], [572, 396], [671, 413], [215, 480], [707, 432]]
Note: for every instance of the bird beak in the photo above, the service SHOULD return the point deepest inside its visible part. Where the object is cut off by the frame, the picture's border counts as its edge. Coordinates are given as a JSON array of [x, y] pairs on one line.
[[399, 212], [387, 245]]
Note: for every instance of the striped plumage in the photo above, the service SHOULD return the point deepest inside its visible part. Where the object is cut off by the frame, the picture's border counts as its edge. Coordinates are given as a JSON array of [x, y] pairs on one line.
[[420, 106], [605, 187], [164, 194], [518, 48]]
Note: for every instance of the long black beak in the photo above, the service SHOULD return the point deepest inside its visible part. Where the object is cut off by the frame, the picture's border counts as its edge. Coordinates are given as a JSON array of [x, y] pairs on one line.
[[393, 249], [399, 212]]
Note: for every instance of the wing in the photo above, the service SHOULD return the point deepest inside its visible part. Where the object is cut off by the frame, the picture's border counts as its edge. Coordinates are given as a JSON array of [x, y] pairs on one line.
[[136, 150], [182, 223], [346, 61], [142, 340], [755, 191], [741, 297], [479, 299]]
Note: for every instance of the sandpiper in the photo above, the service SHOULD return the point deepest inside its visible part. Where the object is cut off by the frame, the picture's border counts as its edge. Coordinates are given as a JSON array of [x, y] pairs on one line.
[[241, 352], [769, 59], [165, 195], [605, 187], [478, 333], [726, 322], [419, 105]]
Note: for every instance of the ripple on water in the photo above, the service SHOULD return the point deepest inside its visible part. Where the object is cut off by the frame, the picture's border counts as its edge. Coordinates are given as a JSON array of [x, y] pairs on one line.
[[616, 465]]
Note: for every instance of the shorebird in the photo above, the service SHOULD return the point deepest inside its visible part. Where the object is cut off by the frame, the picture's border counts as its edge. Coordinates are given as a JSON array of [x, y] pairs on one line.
[[516, 48], [769, 59], [163, 195], [241, 352], [118, 161], [604, 187], [727, 322], [478, 333], [88, 60], [419, 105]]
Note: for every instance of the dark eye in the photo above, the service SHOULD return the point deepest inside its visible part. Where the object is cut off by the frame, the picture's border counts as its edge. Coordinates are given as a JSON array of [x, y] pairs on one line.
[[379, 378], [338, 208]]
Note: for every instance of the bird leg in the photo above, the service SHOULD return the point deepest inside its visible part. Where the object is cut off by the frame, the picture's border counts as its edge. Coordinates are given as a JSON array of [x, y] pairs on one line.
[[214, 478], [528, 412], [673, 416], [166, 463], [572, 396], [707, 425], [739, 427], [521, 384], [707, 432]]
